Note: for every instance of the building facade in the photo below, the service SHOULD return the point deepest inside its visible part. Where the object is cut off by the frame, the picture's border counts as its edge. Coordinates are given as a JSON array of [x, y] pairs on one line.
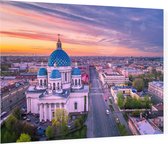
[[131, 71], [125, 90], [59, 86], [156, 88], [112, 78], [141, 126]]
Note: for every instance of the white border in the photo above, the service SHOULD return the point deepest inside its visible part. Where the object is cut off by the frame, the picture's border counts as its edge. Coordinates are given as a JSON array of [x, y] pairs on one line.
[[158, 4]]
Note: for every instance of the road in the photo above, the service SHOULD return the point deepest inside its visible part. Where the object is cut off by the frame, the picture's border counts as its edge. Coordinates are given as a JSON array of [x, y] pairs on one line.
[[99, 124], [117, 113]]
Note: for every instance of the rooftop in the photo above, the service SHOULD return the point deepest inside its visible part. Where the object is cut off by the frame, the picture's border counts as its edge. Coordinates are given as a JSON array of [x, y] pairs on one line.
[[64, 94], [159, 106], [144, 127], [157, 83], [112, 74]]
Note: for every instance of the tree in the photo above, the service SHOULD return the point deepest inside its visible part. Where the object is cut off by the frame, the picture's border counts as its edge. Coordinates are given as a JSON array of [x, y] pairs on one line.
[[129, 83], [29, 129], [77, 123], [24, 138], [17, 113], [10, 123], [120, 100], [60, 121], [64, 129], [49, 132], [147, 102], [6, 137], [60, 117], [138, 84]]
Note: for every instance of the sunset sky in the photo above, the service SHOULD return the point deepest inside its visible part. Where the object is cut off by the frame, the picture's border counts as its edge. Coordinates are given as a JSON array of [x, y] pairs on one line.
[[32, 28]]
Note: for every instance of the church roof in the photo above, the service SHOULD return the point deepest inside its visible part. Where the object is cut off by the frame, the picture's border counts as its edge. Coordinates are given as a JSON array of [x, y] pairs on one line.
[[55, 74], [59, 56], [76, 71], [42, 72]]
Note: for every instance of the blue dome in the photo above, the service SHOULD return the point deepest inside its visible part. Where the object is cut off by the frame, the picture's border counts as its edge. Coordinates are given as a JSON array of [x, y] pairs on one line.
[[76, 71], [59, 57], [55, 74], [42, 72]]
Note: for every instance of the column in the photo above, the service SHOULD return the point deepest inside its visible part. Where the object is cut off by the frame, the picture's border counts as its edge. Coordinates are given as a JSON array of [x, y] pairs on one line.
[[29, 104], [41, 112], [50, 113], [69, 77], [63, 77], [47, 117], [28, 107], [45, 112], [87, 103]]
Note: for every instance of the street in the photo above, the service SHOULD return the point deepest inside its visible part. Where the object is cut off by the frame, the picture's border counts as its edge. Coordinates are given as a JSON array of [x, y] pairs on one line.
[[99, 123]]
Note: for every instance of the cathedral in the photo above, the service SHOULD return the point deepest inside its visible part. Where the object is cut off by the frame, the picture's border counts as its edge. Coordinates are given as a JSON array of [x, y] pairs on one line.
[[59, 86]]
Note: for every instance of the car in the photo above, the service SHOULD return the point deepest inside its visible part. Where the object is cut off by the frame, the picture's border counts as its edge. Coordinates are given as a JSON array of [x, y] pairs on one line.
[[28, 120], [24, 118], [107, 112], [117, 119]]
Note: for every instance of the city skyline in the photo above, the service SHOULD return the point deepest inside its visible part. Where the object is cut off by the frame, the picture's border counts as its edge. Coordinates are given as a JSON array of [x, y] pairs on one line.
[[32, 28]]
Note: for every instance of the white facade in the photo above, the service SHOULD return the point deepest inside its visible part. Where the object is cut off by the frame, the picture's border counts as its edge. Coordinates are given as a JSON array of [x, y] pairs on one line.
[[156, 88], [131, 71], [112, 78], [59, 86]]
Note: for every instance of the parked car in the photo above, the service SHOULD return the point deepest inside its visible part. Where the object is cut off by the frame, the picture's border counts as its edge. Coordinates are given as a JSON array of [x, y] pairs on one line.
[[28, 120], [24, 118], [107, 112]]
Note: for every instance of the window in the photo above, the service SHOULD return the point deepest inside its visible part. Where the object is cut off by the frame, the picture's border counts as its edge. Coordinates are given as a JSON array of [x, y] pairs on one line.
[[53, 86], [65, 76], [45, 83], [75, 82], [79, 82], [75, 105], [40, 82], [72, 81], [58, 86]]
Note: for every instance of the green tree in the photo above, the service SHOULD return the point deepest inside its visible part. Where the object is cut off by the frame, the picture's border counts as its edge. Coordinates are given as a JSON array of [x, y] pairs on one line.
[[29, 129], [60, 117], [120, 100], [49, 132], [60, 121], [147, 102], [138, 84], [64, 129], [24, 138], [6, 137], [122, 130], [17, 113], [10, 123], [77, 123]]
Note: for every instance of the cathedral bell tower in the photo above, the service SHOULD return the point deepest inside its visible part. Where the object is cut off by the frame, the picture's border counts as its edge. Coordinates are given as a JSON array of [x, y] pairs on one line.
[[59, 44]]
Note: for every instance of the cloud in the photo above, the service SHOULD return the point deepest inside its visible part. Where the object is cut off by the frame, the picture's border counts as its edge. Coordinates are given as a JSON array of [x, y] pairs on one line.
[[134, 28]]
